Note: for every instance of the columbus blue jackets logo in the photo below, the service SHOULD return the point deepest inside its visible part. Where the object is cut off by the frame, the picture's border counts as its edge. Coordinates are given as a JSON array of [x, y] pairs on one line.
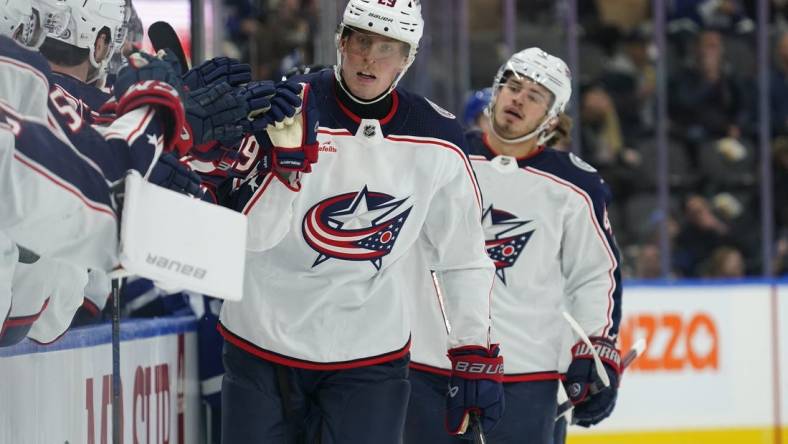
[[505, 238], [357, 226]]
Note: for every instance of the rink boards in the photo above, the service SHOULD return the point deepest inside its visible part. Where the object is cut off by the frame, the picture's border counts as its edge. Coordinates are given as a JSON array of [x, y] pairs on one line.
[[63, 393], [715, 369]]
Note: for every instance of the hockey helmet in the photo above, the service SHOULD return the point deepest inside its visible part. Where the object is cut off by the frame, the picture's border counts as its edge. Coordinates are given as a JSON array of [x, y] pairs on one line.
[[544, 69], [86, 19], [475, 105], [20, 21], [397, 19]]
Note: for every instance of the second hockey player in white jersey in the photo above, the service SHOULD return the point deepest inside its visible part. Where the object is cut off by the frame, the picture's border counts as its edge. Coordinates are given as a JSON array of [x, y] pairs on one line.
[[546, 228]]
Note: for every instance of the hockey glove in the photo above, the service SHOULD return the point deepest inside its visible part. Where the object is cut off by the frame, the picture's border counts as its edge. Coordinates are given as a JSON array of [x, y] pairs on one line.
[[475, 386], [213, 113], [218, 70], [141, 67], [592, 406], [170, 173], [293, 147], [169, 108], [284, 105]]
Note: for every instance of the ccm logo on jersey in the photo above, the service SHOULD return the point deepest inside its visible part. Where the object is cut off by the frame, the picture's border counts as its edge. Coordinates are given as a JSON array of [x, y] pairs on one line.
[[678, 342], [178, 267]]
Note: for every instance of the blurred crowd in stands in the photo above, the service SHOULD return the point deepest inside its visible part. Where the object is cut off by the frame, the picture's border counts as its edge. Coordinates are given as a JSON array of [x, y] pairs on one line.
[[714, 218]]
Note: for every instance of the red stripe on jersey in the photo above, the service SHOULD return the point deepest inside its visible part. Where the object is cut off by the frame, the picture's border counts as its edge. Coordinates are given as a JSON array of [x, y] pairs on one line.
[[258, 194], [27, 67], [451, 147], [11, 322], [65, 186], [530, 377], [90, 306], [309, 365], [334, 132], [589, 204]]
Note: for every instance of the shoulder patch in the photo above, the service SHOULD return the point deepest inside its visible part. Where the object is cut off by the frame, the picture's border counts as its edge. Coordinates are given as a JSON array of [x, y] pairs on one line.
[[582, 164], [440, 110]]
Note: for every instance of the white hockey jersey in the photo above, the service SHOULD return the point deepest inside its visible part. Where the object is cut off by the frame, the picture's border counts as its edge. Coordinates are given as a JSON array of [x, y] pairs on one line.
[[546, 229], [54, 166], [325, 276]]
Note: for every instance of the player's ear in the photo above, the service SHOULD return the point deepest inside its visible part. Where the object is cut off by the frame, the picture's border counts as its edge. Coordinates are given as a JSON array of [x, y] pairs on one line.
[[101, 46], [552, 124]]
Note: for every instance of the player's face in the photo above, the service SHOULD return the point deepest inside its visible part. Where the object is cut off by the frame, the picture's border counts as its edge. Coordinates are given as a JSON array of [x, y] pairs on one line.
[[371, 62], [521, 105]]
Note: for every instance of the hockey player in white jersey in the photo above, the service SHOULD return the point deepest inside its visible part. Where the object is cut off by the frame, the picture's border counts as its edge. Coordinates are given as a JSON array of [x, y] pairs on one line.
[[319, 344], [547, 231], [58, 201]]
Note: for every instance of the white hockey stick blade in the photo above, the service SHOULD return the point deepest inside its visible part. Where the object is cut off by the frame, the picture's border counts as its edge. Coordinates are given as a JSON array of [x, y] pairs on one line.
[[635, 352], [565, 406], [600, 368]]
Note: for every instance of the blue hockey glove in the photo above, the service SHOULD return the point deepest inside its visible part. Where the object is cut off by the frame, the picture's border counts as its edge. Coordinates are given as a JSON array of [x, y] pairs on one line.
[[292, 145], [475, 386], [284, 104], [218, 70], [141, 67], [170, 173], [214, 113], [592, 406]]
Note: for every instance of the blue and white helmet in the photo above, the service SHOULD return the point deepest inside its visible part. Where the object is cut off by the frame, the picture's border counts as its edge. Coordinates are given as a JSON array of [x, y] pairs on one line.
[[397, 19], [546, 70], [20, 21]]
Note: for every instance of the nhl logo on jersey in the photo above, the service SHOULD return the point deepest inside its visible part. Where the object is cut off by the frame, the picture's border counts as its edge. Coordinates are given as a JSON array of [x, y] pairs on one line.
[[369, 130], [505, 238], [357, 226]]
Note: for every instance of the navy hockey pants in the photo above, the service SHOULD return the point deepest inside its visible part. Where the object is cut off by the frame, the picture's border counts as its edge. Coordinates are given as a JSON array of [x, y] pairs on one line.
[[529, 416], [360, 405]]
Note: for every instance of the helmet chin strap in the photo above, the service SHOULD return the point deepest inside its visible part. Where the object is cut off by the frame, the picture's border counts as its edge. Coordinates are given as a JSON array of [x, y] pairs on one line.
[[539, 131], [352, 96]]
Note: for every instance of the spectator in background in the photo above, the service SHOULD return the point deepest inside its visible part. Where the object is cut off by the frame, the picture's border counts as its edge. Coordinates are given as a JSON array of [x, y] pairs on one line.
[[240, 27], [725, 15], [630, 79], [779, 87], [706, 102], [647, 262], [289, 21], [561, 138], [474, 109], [725, 262], [600, 129], [781, 254], [701, 233], [780, 184]]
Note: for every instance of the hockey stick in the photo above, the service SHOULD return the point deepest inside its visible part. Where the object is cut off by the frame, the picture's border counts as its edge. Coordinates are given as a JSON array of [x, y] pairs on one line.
[[600, 368], [635, 352], [162, 36], [118, 193], [476, 430]]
